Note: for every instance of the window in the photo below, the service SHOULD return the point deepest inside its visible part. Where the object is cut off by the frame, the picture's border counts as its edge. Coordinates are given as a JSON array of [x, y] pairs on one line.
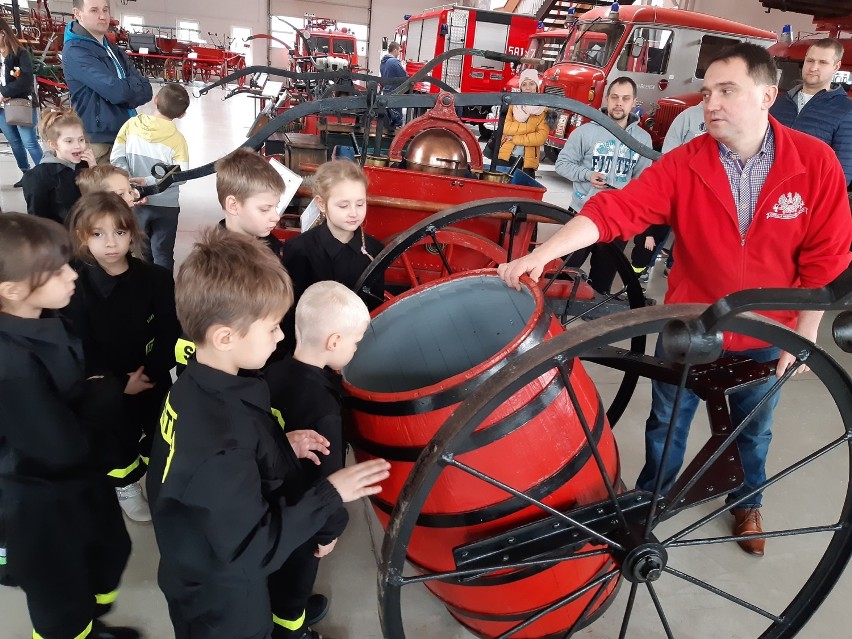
[[710, 46], [596, 44], [187, 30], [647, 51], [132, 24]]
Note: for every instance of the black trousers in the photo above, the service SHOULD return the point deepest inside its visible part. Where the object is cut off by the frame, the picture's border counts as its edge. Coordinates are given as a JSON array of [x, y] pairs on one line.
[[291, 585], [640, 257], [217, 608], [67, 543], [602, 268]]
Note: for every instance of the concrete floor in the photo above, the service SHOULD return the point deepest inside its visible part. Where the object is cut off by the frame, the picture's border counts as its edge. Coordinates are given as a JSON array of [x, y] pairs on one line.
[[806, 419]]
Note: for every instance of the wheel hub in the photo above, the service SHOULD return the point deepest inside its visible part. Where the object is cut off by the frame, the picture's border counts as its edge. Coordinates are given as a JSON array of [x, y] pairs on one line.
[[644, 563]]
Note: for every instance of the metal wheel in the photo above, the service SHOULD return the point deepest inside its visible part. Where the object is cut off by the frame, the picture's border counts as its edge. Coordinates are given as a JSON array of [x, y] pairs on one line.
[[418, 256], [671, 551]]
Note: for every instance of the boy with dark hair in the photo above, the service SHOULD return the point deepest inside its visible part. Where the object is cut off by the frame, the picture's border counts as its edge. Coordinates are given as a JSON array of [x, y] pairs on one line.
[[330, 321], [142, 142], [223, 476]]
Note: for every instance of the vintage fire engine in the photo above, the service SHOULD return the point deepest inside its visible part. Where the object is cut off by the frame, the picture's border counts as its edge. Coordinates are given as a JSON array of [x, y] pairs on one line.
[[665, 51], [424, 36]]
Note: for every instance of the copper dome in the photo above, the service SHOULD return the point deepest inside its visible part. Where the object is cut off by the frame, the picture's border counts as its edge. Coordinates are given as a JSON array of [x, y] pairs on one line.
[[437, 151]]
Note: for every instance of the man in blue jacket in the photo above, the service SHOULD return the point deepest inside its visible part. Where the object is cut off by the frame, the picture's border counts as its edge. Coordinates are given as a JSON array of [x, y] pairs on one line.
[[814, 107], [390, 68], [105, 86]]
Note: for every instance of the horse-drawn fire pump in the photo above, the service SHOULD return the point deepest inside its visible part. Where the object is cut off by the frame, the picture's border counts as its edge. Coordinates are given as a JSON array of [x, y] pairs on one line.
[[510, 497]]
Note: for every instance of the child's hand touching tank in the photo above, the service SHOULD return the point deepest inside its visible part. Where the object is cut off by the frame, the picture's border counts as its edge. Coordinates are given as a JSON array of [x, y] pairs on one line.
[[137, 382], [305, 442], [360, 480], [322, 551]]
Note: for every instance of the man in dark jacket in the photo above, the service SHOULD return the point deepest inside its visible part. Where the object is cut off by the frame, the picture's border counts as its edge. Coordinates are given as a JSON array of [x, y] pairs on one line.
[[390, 68], [105, 86], [814, 107]]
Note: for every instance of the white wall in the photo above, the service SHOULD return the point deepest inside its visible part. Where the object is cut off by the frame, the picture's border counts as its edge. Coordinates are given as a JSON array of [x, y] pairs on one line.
[[752, 13], [385, 16]]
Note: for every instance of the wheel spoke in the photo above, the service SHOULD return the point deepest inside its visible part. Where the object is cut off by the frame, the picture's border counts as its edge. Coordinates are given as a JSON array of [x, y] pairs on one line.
[[660, 611], [450, 460], [776, 388], [775, 478], [481, 572], [409, 270], [432, 231], [577, 625], [628, 610], [721, 593], [584, 424], [601, 580], [790, 532], [658, 485]]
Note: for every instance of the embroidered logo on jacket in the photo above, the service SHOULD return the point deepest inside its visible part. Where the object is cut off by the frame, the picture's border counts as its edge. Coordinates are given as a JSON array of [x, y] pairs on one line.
[[788, 207]]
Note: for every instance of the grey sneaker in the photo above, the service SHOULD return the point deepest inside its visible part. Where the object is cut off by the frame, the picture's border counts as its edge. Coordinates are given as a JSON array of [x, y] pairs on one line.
[[133, 502]]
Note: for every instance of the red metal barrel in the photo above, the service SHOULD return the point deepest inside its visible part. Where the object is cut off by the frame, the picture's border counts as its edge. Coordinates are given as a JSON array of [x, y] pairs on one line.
[[425, 351]]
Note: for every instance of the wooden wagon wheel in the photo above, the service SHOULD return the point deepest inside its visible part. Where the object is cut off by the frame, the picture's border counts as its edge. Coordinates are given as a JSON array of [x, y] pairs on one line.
[[171, 70], [239, 65], [652, 543], [571, 308]]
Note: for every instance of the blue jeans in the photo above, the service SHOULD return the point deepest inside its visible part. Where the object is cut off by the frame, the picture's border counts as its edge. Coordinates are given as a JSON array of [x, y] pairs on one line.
[[22, 139], [160, 225], [752, 442]]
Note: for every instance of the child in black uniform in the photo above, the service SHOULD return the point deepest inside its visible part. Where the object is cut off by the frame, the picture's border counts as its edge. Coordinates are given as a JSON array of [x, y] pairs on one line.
[[124, 311], [337, 249], [67, 544], [50, 188], [224, 481], [330, 321], [249, 190]]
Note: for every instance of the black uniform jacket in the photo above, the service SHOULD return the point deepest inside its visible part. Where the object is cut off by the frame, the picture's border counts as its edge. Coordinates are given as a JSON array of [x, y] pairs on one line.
[[127, 320], [308, 397], [50, 188], [224, 485], [41, 377]]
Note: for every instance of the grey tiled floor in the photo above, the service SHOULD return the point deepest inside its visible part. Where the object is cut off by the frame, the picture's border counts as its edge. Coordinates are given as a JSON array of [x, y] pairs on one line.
[[349, 575]]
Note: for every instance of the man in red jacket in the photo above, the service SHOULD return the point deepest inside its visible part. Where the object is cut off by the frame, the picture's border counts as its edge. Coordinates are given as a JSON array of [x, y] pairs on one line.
[[752, 204]]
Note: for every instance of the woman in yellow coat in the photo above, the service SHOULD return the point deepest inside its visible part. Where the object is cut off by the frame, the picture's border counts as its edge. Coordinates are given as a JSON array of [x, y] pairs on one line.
[[525, 129]]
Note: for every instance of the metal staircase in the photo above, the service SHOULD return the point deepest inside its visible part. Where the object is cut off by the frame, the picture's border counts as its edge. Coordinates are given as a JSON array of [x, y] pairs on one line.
[[552, 13]]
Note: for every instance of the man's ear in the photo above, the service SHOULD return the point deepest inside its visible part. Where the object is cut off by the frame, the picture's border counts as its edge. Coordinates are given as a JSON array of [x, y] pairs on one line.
[[15, 291], [769, 95], [220, 337]]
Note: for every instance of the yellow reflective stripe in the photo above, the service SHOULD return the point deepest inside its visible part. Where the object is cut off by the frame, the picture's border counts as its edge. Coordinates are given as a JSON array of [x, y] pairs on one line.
[[183, 350], [149, 347], [146, 460], [167, 430], [106, 598], [121, 473], [289, 625], [82, 635], [277, 414], [638, 269]]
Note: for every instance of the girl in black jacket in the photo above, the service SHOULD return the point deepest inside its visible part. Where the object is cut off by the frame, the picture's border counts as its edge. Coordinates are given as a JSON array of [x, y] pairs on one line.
[[67, 544], [50, 189], [124, 311], [17, 81]]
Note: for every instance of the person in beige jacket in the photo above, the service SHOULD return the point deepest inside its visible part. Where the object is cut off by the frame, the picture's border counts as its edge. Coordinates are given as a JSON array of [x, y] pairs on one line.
[[525, 129]]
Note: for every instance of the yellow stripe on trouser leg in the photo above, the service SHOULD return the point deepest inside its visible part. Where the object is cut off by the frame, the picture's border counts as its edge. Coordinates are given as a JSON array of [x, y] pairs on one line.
[[121, 473], [289, 625], [106, 598], [82, 635], [638, 269]]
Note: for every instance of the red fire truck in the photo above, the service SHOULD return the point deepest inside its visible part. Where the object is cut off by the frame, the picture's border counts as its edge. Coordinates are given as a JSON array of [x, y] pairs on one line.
[[789, 56], [322, 38], [546, 46], [665, 51], [429, 34]]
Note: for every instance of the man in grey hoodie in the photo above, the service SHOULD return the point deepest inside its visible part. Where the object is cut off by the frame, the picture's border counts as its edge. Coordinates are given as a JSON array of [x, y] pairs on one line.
[[594, 160]]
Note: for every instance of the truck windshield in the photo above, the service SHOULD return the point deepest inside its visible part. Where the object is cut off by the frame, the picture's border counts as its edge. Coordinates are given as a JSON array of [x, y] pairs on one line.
[[318, 44], [595, 45], [344, 46]]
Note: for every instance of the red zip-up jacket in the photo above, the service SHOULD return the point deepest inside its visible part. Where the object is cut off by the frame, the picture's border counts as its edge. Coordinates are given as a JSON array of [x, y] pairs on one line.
[[799, 237]]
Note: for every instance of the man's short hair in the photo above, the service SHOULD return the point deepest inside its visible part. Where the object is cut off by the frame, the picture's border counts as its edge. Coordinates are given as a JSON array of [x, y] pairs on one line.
[[761, 67], [172, 100], [830, 43], [393, 47], [231, 280], [92, 180], [326, 308], [623, 80], [243, 174]]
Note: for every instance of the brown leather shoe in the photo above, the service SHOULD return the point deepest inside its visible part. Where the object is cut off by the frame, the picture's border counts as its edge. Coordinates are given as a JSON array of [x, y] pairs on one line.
[[747, 522]]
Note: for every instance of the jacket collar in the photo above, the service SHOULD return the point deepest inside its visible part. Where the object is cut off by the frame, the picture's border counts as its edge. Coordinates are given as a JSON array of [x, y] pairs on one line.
[[332, 245], [49, 330], [251, 390], [322, 376]]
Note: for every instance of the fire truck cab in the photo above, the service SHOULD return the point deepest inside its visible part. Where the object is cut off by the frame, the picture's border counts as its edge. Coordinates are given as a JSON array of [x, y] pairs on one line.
[[424, 36], [322, 38], [546, 46], [665, 51]]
